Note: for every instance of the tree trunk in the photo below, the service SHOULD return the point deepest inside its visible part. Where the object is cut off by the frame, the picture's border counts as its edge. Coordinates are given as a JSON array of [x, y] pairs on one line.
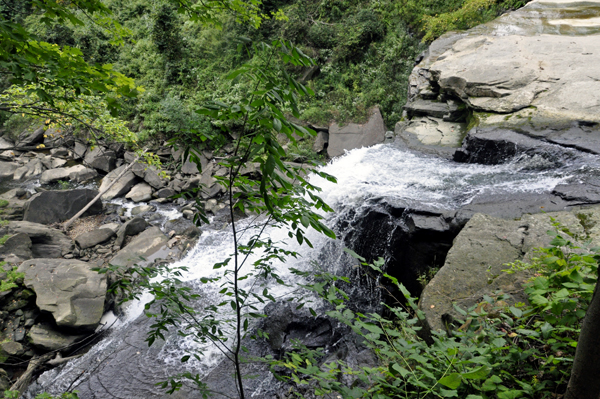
[[585, 375]]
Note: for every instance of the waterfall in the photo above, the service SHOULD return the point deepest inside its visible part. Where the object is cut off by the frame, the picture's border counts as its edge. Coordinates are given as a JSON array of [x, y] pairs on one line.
[[123, 366]]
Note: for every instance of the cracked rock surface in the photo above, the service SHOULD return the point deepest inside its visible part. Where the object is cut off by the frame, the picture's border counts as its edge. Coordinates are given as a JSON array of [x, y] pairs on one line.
[[474, 264]]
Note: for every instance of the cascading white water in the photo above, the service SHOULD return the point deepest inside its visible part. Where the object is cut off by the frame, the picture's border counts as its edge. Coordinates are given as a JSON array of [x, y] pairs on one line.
[[123, 366]]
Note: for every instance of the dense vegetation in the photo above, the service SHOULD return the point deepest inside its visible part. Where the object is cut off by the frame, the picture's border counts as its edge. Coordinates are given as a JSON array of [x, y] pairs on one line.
[[364, 50]]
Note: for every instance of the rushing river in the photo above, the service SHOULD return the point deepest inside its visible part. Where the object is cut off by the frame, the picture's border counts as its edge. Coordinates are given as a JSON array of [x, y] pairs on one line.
[[123, 366]]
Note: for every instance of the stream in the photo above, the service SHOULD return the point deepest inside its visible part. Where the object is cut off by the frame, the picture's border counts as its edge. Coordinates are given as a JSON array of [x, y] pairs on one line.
[[123, 366]]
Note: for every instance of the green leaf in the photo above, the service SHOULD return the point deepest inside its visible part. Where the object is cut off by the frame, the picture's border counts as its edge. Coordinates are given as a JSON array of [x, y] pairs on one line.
[[448, 394], [512, 394], [277, 124], [396, 369], [354, 254], [477, 374], [516, 311], [451, 381]]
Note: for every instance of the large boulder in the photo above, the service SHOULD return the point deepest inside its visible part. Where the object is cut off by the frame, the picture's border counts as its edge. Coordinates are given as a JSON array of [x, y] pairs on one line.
[[58, 206], [140, 192], [130, 228], [29, 138], [80, 173], [46, 242], [94, 237], [150, 174], [141, 248], [356, 135], [121, 186], [101, 158], [68, 289], [46, 338], [480, 252], [52, 175]]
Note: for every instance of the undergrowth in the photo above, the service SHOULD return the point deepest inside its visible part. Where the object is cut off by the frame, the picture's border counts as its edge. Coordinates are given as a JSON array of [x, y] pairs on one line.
[[498, 350]]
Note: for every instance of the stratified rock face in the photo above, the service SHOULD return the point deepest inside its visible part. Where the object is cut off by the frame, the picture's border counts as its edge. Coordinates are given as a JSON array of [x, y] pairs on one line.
[[68, 289], [355, 135], [535, 70], [474, 264], [46, 242], [58, 206]]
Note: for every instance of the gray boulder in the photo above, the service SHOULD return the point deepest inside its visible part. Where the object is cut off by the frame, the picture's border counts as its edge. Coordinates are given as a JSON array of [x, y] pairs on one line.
[[79, 150], [150, 175], [46, 242], [52, 175], [165, 192], [130, 228], [102, 159], [142, 248], [7, 169], [29, 138], [68, 289], [121, 187], [46, 338], [140, 192], [16, 248], [80, 173], [94, 237], [60, 205], [355, 135], [480, 252], [321, 141]]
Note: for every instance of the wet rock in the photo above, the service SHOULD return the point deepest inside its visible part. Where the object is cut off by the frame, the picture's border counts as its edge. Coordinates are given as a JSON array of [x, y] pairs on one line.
[[139, 210], [140, 192], [101, 158], [46, 242], [46, 338], [58, 206], [178, 226], [143, 246], [121, 187], [356, 135], [94, 237], [68, 289]]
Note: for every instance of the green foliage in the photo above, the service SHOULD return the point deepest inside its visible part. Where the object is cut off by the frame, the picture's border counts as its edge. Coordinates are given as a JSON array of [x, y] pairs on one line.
[[499, 351], [9, 282], [3, 203]]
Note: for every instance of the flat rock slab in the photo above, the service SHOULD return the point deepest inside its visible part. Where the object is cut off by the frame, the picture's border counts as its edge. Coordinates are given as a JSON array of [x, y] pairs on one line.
[[68, 289], [355, 135], [480, 252], [57, 206], [94, 237], [141, 248]]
